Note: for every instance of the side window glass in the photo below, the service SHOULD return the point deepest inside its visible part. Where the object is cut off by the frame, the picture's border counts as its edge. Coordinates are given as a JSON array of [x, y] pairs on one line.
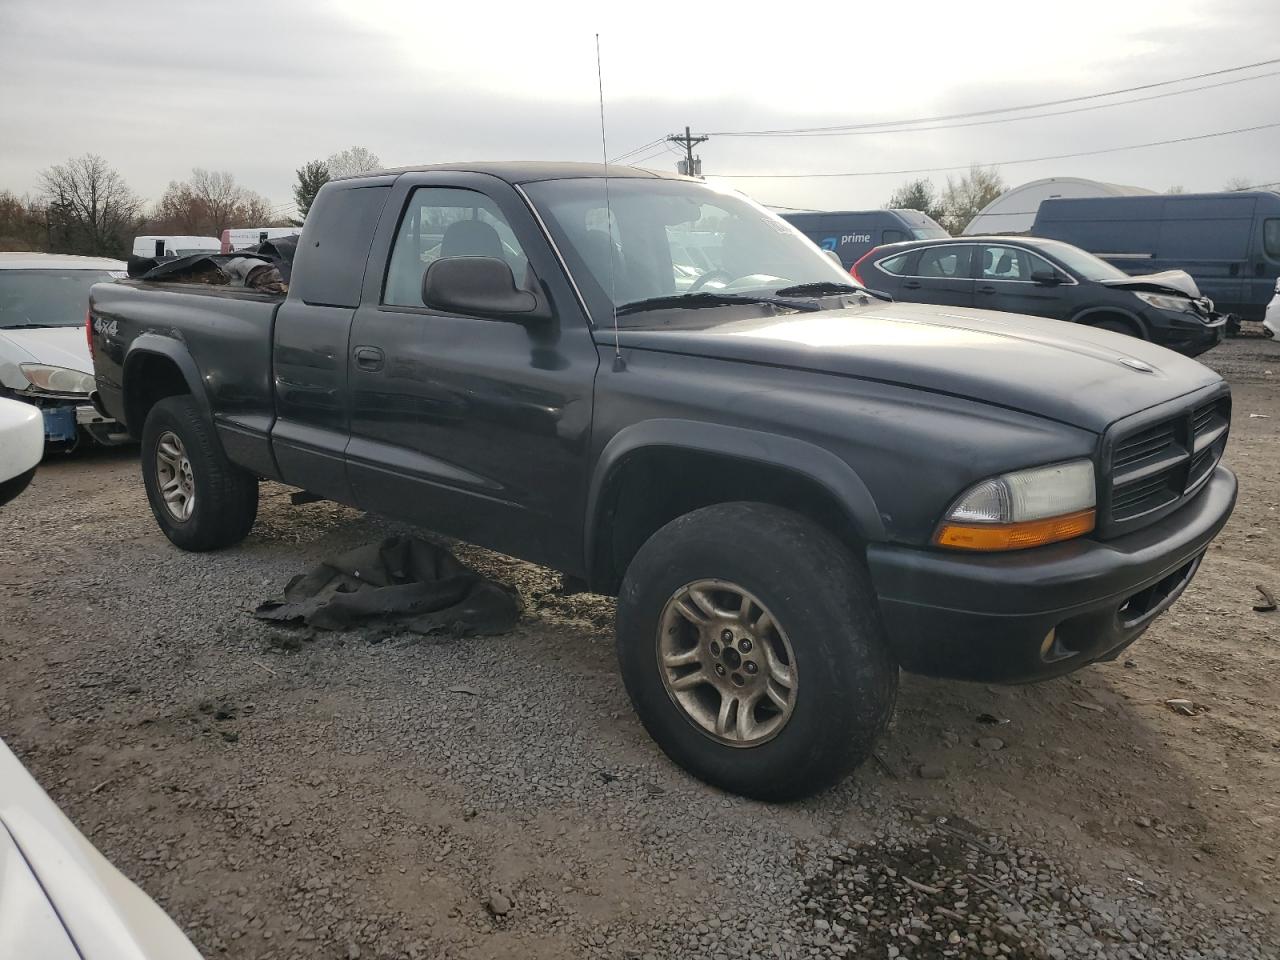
[[896, 265], [946, 262], [893, 236], [442, 222], [1005, 263], [1271, 238]]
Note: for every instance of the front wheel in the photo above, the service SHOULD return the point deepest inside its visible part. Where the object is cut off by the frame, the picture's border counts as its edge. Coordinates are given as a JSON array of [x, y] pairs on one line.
[[200, 499], [751, 647]]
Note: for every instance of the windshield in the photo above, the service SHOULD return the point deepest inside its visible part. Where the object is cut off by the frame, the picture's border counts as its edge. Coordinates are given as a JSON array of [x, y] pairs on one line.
[[673, 237], [929, 233], [1083, 262], [46, 298]]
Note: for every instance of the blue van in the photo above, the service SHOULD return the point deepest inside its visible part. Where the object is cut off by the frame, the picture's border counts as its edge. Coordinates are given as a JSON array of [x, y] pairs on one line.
[[851, 233], [1228, 242]]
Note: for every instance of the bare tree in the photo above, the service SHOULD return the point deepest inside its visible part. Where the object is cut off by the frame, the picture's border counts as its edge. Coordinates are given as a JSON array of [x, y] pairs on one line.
[[964, 198], [208, 203], [24, 223], [91, 209], [1177, 188], [917, 195], [1236, 184], [346, 163]]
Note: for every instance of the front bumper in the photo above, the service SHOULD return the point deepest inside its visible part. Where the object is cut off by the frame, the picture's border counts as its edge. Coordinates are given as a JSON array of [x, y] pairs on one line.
[[66, 419], [1187, 333], [1035, 614]]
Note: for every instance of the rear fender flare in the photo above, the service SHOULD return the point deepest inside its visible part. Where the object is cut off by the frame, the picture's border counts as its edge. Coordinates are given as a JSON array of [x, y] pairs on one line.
[[768, 449], [152, 344]]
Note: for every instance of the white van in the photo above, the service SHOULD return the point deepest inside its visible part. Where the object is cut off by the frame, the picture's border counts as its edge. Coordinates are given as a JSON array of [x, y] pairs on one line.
[[243, 237], [162, 246]]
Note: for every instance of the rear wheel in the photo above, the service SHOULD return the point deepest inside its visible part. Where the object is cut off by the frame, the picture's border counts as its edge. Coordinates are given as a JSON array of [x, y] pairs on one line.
[[751, 647], [200, 499]]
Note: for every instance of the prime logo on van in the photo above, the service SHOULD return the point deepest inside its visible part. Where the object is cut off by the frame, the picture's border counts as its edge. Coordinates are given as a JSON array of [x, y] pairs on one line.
[[831, 243]]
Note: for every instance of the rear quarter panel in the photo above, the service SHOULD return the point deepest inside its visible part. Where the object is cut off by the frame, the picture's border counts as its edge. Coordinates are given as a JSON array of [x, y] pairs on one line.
[[225, 333]]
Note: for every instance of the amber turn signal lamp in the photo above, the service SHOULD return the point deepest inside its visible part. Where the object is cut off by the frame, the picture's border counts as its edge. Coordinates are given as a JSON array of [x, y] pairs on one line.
[[1015, 536]]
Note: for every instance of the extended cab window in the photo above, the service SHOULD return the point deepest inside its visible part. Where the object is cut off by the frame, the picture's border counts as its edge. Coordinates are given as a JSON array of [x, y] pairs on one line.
[[893, 236], [948, 262], [444, 222]]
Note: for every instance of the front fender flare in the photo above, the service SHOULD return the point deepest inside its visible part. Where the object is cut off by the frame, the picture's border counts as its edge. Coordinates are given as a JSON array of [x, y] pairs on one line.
[[1084, 315], [769, 449]]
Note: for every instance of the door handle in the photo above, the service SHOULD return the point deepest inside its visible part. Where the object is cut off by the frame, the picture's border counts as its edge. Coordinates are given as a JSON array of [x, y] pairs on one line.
[[911, 285], [987, 289], [1235, 270], [369, 358]]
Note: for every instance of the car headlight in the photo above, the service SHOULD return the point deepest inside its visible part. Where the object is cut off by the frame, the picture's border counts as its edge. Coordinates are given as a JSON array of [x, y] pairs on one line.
[[1025, 508], [57, 379], [1161, 302]]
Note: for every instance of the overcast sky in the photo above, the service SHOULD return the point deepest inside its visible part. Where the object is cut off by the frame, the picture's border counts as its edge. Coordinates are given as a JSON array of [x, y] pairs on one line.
[[259, 88]]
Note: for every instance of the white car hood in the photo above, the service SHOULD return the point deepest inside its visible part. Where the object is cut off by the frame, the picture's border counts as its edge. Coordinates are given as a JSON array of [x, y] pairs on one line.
[[21, 438], [104, 915], [55, 346]]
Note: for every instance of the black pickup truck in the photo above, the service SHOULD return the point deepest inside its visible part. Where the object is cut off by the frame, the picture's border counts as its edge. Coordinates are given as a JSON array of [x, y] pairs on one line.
[[656, 387]]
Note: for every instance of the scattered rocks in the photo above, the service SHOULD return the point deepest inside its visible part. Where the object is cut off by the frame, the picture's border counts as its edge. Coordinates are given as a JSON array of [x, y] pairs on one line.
[[499, 903], [931, 771], [990, 743]]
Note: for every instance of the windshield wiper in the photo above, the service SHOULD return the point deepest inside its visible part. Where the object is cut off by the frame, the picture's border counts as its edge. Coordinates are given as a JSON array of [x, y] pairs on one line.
[[696, 301], [826, 288]]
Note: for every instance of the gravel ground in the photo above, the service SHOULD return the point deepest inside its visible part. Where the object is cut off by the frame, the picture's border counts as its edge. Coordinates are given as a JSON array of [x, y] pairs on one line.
[[285, 796]]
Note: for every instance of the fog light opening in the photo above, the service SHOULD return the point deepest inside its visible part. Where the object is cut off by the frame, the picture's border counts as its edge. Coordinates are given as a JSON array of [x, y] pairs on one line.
[[1052, 649]]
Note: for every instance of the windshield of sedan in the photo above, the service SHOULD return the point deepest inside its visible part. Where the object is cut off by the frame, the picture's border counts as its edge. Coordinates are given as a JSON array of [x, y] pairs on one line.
[[1083, 262], [672, 238], [46, 298]]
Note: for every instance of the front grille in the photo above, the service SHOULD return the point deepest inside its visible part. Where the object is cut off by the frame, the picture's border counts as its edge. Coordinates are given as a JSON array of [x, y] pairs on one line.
[[1157, 466]]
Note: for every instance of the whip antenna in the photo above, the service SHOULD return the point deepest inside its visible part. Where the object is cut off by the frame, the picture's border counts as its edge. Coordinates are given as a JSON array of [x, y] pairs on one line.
[[618, 363]]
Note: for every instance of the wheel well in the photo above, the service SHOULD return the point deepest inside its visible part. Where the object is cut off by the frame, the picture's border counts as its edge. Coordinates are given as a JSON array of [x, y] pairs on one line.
[[149, 379], [1093, 319], [653, 486]]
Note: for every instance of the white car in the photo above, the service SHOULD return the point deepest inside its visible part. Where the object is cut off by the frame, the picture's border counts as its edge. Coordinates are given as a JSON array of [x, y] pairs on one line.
[[59, 897], [1272, 319], [44, 350], [21, 447]]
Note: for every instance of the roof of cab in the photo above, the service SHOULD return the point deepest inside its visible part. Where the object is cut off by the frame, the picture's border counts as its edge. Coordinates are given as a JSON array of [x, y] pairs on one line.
[[57, 261], [528, 171]]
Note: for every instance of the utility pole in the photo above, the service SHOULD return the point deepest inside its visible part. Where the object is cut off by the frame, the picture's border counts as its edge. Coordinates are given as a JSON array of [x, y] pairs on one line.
[[691, 166]]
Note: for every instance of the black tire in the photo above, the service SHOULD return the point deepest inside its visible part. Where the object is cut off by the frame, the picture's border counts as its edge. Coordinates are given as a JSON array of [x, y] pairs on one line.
[[1116, 325], [226, 496], [818, 592]]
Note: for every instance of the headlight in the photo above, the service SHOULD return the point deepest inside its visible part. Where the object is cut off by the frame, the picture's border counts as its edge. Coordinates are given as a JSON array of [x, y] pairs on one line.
[[57, 379], [1026, 508], [1161, 302]]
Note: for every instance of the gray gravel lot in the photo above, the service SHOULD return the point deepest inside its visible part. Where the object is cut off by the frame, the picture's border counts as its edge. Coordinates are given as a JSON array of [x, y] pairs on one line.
[[286, 795]]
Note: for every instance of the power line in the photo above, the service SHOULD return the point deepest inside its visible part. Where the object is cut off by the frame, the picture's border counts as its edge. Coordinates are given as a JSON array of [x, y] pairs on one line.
[[990, 112], [997, 163], [1029, 116], [640, 149]]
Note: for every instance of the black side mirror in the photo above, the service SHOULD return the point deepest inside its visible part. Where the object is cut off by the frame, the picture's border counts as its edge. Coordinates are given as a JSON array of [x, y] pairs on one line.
[[1047, 278], [480, 287]]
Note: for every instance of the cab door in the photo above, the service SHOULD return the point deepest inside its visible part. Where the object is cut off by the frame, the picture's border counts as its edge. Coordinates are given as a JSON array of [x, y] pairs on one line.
[[471, 426]]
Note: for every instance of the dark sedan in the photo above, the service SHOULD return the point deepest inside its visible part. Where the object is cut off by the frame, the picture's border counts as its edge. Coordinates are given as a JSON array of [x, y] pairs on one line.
[[1046, 278]]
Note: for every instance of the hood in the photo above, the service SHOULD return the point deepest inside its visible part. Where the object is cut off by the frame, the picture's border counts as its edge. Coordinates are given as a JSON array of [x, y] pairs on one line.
[[1063, 371], [55, 346], [57, 873], [1169, 281]]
